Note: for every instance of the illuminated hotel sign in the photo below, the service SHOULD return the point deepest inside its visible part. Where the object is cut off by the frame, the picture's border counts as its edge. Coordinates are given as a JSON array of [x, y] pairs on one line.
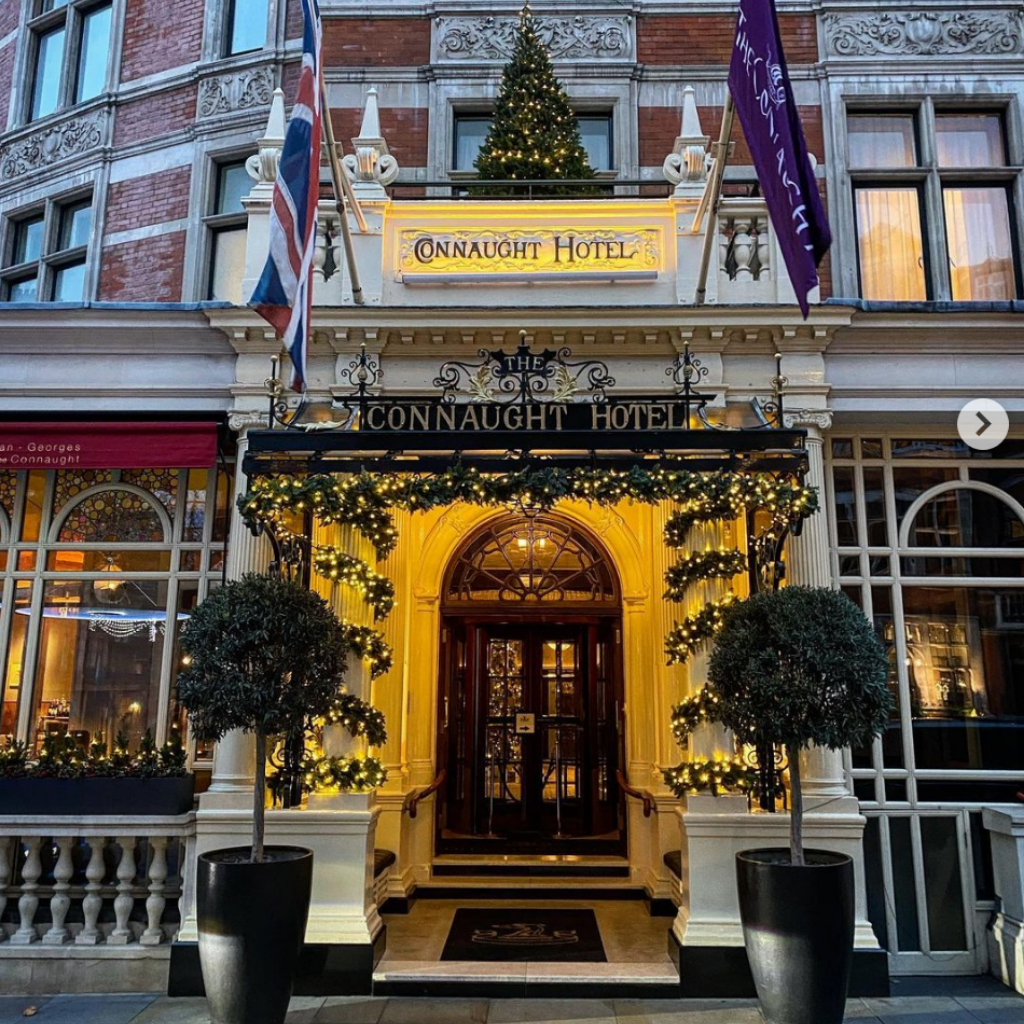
[[522, 254]]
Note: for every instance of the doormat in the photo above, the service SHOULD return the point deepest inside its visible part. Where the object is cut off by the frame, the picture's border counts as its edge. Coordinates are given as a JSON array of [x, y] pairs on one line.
[[540, 935]]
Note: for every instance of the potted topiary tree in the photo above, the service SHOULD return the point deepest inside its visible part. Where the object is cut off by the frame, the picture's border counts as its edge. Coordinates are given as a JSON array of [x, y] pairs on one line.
[[266, 655], [798, 667]]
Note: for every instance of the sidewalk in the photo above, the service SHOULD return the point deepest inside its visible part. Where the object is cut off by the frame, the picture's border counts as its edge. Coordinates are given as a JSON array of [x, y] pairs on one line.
[[928, 1001]]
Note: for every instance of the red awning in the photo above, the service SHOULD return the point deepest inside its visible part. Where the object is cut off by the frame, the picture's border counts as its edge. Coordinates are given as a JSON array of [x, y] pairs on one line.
[[107, 445]]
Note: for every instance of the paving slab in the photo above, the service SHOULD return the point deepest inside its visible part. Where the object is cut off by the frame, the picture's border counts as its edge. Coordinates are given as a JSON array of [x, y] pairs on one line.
[[551, 1011], [687, 1011], [920, 1010], [1008, 1009], [434, 1011], [98, 1009], [12, 1008], [351, 1010]]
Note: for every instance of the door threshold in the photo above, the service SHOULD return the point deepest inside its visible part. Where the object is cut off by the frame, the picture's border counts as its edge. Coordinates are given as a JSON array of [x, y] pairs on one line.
[[529, 866]]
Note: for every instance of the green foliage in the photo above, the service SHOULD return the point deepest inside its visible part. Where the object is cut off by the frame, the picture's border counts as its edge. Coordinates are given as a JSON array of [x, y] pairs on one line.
[[349, 774], [266, 653], [693, 711], [686, 636], [370, 645], [534, 134], [359, 718], [797, 667], [702, 565], [711, 775], [62, 757], [14, 762], [376, 590]]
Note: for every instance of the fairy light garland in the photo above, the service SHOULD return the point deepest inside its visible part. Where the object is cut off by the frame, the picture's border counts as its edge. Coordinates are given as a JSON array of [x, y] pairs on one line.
[[370, 645], [348, 774], [700, 708], [375, 589], [703, 565], [711, 775], [686, 636], [359, 717]]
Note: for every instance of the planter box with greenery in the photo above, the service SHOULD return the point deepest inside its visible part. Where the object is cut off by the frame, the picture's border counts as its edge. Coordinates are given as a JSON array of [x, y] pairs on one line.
[[67, 779], [267, 655], [794, 668]]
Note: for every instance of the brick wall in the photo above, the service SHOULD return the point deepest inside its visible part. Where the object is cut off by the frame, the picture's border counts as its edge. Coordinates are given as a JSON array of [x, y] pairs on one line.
[[149, 270], [389, 42], [405, 129], [156, 115], [153, 199], [659, 126], [708, 38], [8, 16], [160, 34], [6, 73]]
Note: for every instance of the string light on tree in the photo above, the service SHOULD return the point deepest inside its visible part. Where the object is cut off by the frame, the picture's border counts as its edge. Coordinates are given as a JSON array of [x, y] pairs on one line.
[[703, 565]]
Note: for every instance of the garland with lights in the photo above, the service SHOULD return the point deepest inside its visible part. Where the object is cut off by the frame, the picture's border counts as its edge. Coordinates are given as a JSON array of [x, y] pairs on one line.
[[359, 717], [63, 757], [349, 774], [694, 630], [370, 645], [703, 565], [376, 589], [693, 711], [712, 774]]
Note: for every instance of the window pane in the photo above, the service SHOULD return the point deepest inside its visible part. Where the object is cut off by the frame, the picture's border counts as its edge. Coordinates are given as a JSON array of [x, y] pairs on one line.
[[874, 506], [93, 54], [22, 290], [49, 58], [228, 266], [233, 183], [907, 932], [69, 283], [14, 673], [966, 518], [980, 249], [885, 630], [596, 135], [882, 141], [969, 140], [52, 5], [889, 244], [470, 133], [75, 222], [248, 28], [28, 240], [965, 652], [846, 506], [943, 887], [100, 651]]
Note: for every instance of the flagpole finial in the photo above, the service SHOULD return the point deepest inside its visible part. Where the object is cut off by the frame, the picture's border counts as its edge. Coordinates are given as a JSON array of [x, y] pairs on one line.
[[687, 165]]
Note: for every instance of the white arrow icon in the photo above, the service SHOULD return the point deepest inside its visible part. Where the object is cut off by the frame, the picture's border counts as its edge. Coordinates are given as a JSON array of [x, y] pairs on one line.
[[983, 424]]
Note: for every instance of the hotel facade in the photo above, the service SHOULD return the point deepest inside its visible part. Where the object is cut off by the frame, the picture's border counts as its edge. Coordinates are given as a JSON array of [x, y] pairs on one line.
[[529, 700]]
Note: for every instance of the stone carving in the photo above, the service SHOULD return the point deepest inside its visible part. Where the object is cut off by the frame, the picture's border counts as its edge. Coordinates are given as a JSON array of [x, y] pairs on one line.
[[925, 33], [492, 38], [51, 145], [240, 90]]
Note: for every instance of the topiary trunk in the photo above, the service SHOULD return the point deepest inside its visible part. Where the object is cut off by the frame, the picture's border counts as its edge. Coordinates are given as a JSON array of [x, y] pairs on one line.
[[259, 797], [796, 816]]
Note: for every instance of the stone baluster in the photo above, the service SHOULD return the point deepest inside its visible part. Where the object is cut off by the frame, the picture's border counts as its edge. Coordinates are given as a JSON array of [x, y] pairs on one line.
[[5, 877], [60, 901], [742, 249], [808, 565], [28, 904], [156, 901], [764, 259], [724, 241], [92, 903], [123, 902]]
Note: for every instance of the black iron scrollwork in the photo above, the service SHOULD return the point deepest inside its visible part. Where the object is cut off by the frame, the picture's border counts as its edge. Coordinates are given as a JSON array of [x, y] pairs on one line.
[[524, 376], [769, 762], [765, 549], [772, 413], [363, 374]]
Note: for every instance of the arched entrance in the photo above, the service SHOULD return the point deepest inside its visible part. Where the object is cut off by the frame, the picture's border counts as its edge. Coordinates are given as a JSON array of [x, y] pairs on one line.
[[530, 691]]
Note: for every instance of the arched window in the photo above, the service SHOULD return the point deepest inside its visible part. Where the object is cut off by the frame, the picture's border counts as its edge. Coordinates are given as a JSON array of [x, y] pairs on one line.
[[529, 560], [964, 515]]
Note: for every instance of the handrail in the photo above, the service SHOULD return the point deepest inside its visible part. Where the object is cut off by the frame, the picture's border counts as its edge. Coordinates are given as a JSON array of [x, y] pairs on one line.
[[634, 792], [411, 803]]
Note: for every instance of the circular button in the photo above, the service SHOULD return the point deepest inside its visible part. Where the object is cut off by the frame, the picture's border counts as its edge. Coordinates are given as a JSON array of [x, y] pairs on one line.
[[983, 424]]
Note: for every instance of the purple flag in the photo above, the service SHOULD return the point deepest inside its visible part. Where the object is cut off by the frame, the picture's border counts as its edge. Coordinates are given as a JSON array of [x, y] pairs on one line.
[[759, 83]]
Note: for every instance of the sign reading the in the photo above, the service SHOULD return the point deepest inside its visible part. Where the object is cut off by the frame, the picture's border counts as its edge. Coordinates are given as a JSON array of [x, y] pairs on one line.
[[528, 253]]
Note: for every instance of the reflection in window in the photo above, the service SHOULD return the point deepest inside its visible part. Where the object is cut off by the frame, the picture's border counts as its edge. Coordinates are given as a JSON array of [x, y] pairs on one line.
[[881, 140], [247, 26], [966, 518], [969, 140], [979, 242], [890, 244]]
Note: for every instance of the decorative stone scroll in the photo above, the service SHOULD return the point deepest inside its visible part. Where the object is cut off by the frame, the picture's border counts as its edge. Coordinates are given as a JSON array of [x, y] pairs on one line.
[[239, 90], [492, 38], [52, 145], [988, 33]]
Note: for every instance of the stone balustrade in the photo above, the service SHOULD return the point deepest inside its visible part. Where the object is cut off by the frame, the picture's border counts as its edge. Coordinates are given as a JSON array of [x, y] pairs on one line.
[[102, 882], [744, 243]]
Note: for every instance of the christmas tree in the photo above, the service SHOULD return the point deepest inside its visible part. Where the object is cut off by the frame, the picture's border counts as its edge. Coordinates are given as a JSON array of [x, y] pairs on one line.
[[534, 135]]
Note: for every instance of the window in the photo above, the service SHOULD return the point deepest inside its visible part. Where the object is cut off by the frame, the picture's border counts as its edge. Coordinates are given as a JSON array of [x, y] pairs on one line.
[[102, 568], [595, 134], [897, 163], [247, 26], [47, 253], [227, 225], [71, 51]]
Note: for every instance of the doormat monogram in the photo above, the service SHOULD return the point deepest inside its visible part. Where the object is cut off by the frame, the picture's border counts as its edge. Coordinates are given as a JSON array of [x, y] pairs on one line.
[[516, 934]]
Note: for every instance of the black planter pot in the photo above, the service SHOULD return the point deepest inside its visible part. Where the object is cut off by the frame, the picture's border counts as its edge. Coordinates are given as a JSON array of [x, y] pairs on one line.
[[252, 920], [97, 796], [798, 930]]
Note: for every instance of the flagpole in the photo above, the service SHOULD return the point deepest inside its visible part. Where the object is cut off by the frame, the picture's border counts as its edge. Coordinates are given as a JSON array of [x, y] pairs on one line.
[[341, 197], [712, 195]]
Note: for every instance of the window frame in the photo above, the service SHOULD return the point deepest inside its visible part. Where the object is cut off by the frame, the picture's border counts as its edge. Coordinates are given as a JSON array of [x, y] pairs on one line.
[[228, 24], [215, 223], [72, 16], [933, 179], [51, 259]]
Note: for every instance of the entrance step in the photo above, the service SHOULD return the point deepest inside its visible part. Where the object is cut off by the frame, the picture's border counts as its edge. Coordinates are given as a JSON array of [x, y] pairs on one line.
[[481, 868]]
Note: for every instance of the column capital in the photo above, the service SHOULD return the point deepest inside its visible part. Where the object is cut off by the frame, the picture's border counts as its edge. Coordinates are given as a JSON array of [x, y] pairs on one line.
[[816, 419], [241, 420]]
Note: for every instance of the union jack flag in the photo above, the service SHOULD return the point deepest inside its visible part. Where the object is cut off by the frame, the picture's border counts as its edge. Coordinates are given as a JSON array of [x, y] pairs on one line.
[[284, 295]]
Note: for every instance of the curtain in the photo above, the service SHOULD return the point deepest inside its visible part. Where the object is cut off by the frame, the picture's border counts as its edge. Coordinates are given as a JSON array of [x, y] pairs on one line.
[[978, 239], [890, 245]]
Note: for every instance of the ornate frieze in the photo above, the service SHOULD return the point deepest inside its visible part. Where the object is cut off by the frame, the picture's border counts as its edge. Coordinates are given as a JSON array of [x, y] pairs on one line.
[[986, 33], [239, 90], [52, 145], [491, 38]]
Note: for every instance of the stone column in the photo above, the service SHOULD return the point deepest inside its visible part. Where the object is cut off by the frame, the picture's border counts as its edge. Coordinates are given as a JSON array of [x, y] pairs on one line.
[[233, 757], [808, 564]]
